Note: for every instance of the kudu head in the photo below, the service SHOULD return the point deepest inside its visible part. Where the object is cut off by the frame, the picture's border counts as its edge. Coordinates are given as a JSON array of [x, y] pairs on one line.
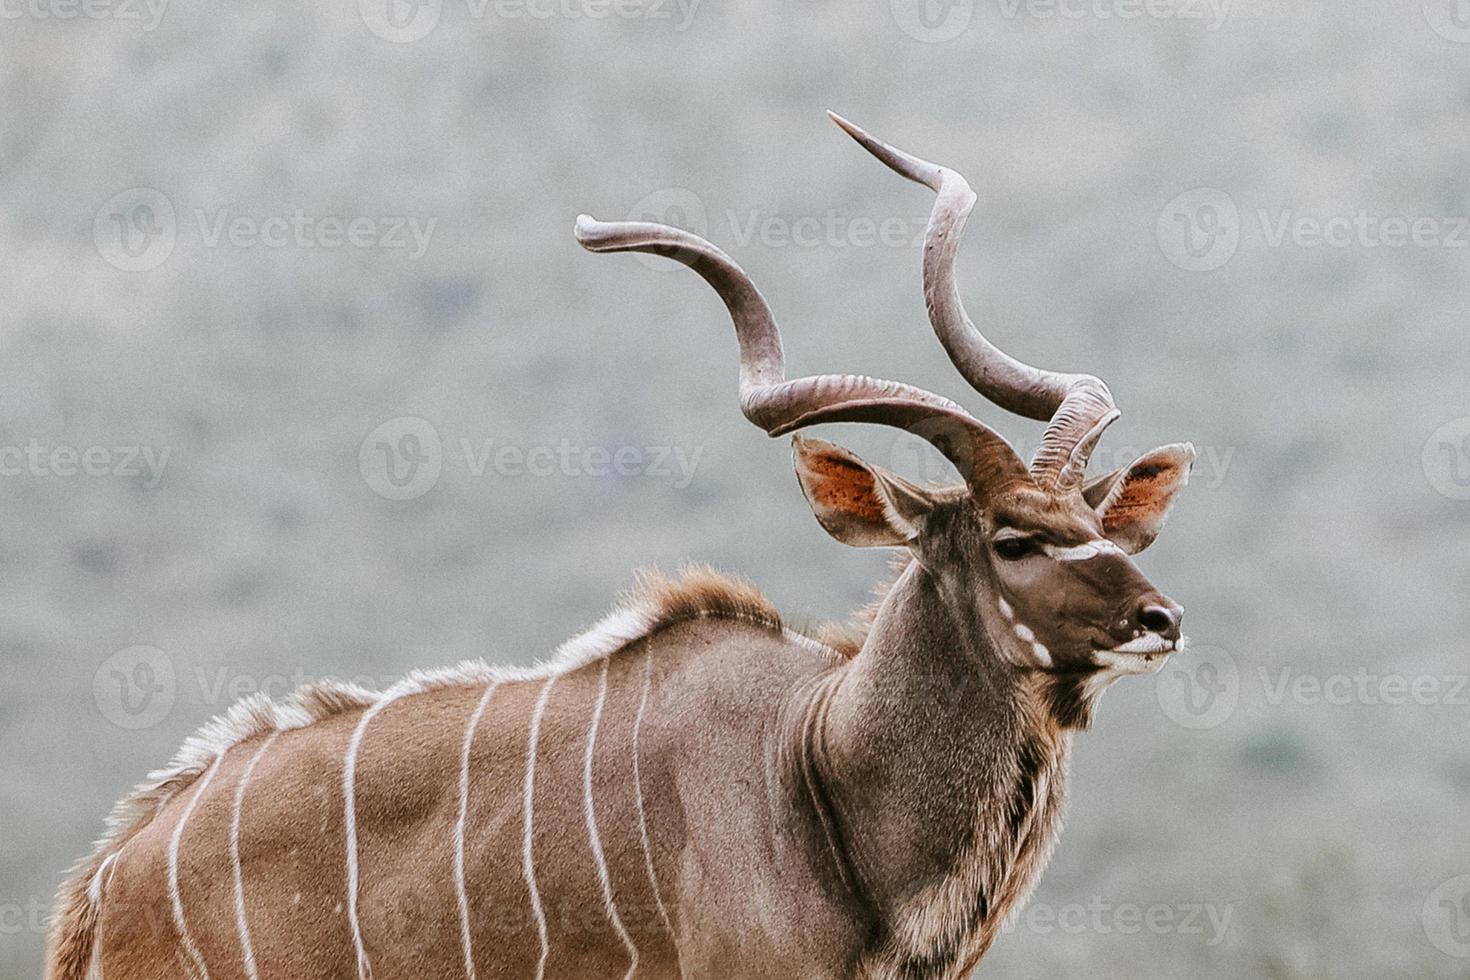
[[1036, 556]]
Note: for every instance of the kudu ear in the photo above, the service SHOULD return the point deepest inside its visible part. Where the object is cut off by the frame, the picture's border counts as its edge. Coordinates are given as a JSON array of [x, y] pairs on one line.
[[861, 505], [1134, 501]]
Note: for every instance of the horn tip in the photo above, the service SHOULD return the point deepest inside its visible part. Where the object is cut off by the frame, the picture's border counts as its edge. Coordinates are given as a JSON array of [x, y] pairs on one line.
[[852, 129], [589, 231], [905, 164]]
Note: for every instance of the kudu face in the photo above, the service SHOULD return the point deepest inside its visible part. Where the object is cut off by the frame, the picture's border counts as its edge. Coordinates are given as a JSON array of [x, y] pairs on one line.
[[1046, 575], [1036, 557], [1068, 588]]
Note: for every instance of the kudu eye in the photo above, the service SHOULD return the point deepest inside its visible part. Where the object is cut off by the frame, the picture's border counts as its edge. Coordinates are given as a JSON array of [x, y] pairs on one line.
[[1014, 548]]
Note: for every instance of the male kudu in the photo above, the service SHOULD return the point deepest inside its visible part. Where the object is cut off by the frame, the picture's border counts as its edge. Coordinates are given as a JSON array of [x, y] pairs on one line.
[[690, 789]]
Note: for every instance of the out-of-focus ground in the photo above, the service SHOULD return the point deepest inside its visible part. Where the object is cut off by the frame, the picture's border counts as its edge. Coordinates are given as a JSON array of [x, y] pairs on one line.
[[1289, 803]]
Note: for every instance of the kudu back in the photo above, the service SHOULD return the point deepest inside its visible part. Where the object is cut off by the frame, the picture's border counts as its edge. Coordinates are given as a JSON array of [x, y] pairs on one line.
[[691, 789]]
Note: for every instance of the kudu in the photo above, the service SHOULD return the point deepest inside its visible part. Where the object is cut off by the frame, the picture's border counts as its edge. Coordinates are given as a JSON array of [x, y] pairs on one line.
[[690, 789]]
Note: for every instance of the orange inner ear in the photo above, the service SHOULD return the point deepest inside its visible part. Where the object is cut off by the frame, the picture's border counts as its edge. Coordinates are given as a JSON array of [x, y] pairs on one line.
[[845, 487], [1145, 491]]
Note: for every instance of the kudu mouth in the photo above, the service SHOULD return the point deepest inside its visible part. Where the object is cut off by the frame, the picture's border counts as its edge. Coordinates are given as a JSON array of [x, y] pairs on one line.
[[1141, 655]]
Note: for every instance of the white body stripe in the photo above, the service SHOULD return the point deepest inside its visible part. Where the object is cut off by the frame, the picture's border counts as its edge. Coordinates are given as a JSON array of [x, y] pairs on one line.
[[590, 811], [94, 890], [175, 898], [459, 830], [642, 815], [241, 923], [94, 969], [349, 821], [528, 858], [94, 895]]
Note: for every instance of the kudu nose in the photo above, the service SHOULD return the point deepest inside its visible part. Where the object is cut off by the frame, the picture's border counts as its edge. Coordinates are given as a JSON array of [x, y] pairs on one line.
[[1158, 615]]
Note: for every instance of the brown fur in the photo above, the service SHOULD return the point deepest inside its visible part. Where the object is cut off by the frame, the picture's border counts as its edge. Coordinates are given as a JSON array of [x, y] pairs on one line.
[[73, 923], [664, 601], [697, 592]]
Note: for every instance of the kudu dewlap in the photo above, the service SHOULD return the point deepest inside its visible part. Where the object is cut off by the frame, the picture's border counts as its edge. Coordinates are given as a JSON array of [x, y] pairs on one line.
[[691, 788]]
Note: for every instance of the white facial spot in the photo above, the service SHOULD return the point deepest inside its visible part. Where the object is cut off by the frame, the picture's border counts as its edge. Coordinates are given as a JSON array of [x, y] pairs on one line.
[[1082, 552], [1025, 634]]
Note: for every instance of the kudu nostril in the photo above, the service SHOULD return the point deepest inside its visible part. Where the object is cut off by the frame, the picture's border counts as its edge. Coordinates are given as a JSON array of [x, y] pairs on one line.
[[1161, 619]]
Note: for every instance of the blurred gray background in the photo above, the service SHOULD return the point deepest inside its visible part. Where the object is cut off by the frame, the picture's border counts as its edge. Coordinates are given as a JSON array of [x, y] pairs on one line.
[[219, 330]]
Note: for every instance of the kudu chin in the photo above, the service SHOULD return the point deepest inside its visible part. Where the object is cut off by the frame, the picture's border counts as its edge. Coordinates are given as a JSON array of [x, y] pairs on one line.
[[691, 789]]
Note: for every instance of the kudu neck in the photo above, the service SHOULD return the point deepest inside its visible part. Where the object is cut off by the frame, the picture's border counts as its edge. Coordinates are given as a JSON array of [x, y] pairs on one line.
[[923, 626], [926, 741]]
